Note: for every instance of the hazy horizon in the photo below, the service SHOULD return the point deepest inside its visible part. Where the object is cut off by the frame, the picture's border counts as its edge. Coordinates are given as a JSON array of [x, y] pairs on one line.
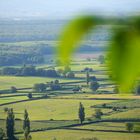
[[53, 9]]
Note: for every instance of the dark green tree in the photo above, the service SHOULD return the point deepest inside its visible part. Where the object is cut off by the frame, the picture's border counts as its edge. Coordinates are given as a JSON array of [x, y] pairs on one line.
[[26, 125], [30, 96], [116, 90], [98, 113], [81, 113], [41, 87], [13, 89], [70, 74], [1, 134], [94, 85], [87, 77], [10, 123], [129, 127]]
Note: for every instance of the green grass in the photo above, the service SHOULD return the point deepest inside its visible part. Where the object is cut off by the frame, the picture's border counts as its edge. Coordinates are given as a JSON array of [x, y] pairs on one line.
[[134, 113], [20, 82], [12, 99], [36, 125], [57, 109], [77, 135], [131, 103], [65, 111], [89, 96], [105, 126], [82, 65]]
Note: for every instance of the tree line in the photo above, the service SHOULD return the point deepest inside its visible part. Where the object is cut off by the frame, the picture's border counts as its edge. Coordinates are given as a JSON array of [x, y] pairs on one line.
[[28, 71]]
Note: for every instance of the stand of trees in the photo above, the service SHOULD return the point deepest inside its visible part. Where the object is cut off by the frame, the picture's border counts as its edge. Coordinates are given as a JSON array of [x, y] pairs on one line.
[[53, 85], [8, 60], [66, 72], [28, 71]]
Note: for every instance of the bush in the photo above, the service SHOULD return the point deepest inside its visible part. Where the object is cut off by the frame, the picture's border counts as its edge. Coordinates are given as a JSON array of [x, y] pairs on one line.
[[6, 109], [76, 89], [104, 105], [116, 90], [114, 108], [2, 134], [94, 85], [129, 127], [30, 95], [40, 87], [98, 113], [13, 89], [70, 74]]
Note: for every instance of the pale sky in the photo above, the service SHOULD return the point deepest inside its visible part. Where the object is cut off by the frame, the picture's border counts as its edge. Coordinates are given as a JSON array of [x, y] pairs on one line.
[[64, 8]]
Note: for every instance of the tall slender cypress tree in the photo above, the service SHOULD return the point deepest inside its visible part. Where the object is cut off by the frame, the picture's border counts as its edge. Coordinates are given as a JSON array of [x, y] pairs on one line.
[[87, 78], [26, 125], [10, 122], [81, 113]]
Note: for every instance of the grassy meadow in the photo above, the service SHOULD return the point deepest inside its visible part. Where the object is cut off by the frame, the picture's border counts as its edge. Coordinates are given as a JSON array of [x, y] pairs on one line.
[[55, 117]]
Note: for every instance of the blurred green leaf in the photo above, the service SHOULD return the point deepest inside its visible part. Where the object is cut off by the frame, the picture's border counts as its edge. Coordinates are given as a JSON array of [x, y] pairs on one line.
[[124, 48], [125, 55], [72, 35]]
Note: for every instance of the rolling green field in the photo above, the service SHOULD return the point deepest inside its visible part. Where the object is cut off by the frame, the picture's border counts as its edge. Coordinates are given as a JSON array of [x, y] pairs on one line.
[[22, 82], [56, 109], [57, 115], [77, 135], [12, 99]]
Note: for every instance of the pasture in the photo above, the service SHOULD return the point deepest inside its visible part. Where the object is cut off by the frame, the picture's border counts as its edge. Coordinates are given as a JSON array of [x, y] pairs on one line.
[[56, 116]]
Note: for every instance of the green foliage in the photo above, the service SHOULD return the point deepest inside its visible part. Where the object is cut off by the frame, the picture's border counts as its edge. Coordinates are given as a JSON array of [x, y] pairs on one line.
[[10, 123], [30, 96], [55, 85], [116, 90], [70, 74], [13, 89], [124, 49], [2, 134], [98, 113], [129, 127], [72, 35], [26, 125], [87, 77], [81, 112], [94, 85], [41, 87], [28, 71]]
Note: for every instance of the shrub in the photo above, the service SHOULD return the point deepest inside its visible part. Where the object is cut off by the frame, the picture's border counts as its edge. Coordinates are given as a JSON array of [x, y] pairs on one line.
[[30, 95], [13, 89], [6, 109], [129, 127], [94, 85], [98, 113]]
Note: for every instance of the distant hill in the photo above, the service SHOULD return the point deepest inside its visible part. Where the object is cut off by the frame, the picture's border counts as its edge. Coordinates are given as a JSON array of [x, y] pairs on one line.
[[29, 41]]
